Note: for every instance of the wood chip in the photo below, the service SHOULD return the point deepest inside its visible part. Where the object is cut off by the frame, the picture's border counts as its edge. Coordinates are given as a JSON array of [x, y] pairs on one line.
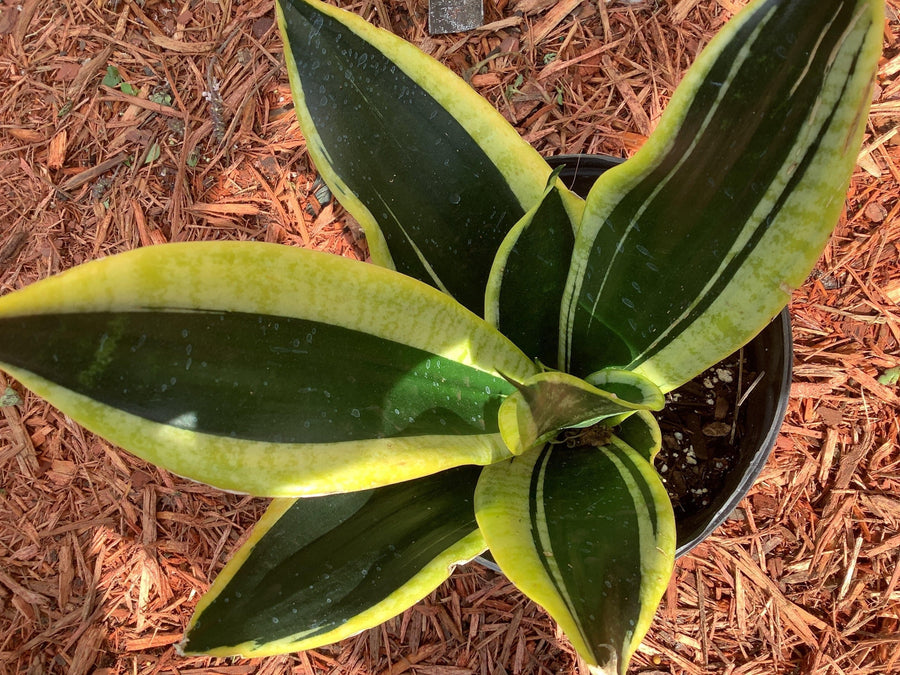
[[179, 47], [56, 153]]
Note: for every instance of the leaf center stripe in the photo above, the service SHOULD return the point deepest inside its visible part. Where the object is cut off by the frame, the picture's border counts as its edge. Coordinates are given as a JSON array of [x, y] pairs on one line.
[[254, 377]]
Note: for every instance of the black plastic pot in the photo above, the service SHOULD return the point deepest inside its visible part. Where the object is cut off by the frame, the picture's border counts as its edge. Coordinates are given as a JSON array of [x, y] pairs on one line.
[[762, 413]]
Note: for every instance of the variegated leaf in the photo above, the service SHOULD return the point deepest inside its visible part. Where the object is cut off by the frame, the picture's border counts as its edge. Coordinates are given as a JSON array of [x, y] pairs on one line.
[[528, 278], [264, 369], [433, 173], [688, 249], [319, 569], [589, 534]]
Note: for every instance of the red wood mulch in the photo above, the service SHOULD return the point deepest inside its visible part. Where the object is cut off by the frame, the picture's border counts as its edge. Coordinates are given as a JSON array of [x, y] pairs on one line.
[[102, 556]]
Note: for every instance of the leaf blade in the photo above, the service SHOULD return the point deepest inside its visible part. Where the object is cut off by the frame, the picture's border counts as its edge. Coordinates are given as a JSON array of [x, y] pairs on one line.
[[641, 432], [757, 147], [431, 171], [128, 340], [551, 401], [579, 547], [528, 278], [320, 569]]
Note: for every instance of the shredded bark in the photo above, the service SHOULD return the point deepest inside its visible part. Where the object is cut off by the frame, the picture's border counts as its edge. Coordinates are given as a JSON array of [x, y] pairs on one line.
[[127, 123]]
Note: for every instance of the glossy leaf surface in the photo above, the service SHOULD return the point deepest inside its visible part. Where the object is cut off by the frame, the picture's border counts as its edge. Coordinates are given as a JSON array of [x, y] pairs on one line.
[[688, 249], [243, 366], [528, 279], [641, 432], [320, 569], [433, 173], [589, 534]]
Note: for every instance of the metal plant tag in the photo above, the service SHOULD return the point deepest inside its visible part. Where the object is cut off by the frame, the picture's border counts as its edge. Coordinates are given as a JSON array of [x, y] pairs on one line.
[[454, 16]]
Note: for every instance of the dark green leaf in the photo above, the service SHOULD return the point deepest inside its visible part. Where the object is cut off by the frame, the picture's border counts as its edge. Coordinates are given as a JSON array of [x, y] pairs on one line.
[[244, 366], [688, 249], [589, 534], [319, 569], [254, 376], [528, 279], [434, 174]]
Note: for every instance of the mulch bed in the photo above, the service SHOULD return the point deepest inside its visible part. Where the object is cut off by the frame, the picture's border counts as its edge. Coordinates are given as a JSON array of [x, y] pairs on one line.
[[102, 557]]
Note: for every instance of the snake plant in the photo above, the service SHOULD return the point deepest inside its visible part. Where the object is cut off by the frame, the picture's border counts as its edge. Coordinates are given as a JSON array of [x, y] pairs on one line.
[[489, 381]]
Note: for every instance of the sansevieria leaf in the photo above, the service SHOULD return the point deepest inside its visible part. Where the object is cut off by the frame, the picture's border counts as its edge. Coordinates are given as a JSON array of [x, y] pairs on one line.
[[589, 534], [528, 278], [433, 173], [689, 248], [641, 432], [243, 365], [316, 570]]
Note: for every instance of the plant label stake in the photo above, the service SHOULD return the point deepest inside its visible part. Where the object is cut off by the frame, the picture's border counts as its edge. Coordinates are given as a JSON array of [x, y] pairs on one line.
[[454, 16]]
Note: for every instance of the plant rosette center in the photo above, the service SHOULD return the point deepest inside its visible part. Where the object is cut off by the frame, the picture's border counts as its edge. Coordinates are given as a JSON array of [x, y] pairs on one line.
[[546, 404]]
